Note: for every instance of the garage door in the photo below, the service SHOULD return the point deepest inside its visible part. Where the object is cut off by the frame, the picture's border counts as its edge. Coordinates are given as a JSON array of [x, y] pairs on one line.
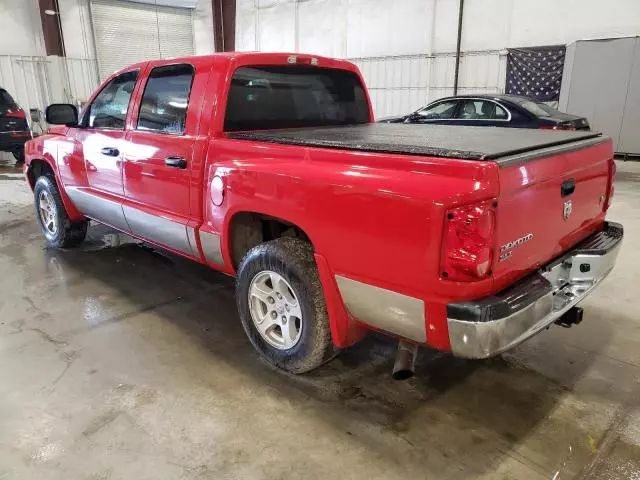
[[127, 32]]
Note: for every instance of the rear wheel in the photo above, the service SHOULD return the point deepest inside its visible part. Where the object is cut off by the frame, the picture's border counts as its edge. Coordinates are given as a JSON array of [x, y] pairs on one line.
[[56, 226], [282, 306]]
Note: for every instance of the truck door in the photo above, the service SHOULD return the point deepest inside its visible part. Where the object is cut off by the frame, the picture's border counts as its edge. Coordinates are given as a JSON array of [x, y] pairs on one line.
[[159, 159], [100, 142]]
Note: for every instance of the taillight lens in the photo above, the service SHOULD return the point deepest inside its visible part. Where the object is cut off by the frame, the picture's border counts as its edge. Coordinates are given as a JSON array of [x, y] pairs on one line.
[[19, 113], [468, 242], [558, 126], [611, 186]]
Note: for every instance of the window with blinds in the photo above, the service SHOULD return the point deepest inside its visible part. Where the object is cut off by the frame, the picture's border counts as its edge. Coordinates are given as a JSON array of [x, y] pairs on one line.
[[127, 32]]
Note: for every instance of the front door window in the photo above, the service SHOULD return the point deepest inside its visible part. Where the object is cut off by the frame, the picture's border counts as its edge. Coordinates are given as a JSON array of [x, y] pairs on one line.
[[439, 111], [109, 108]]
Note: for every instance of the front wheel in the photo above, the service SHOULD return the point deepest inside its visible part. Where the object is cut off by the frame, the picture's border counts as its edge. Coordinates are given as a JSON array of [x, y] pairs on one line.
[[56, 226], [19, 156], [282, 306]]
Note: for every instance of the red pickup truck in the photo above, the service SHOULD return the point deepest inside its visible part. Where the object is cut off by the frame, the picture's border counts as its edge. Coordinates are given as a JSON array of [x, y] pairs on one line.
[[268, 167]]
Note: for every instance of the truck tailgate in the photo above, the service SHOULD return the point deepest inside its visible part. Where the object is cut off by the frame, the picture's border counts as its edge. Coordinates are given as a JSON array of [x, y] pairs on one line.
[[550, 199]]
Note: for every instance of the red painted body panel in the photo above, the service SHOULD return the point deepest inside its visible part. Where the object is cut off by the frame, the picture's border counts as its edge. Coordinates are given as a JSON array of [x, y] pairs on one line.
[[530, 201], [376, 218], [104, 173], [145, 173], [46, 148]]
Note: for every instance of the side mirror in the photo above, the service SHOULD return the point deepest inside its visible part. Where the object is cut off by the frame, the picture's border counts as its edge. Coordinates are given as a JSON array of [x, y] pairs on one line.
[[36, 115], [62, 114]]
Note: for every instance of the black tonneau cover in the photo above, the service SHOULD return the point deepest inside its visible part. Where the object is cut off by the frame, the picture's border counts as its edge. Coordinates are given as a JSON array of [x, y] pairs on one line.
[[469, 143]]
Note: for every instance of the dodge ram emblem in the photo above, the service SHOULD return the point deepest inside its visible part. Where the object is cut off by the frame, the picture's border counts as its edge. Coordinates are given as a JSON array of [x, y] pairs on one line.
[[568, 208]]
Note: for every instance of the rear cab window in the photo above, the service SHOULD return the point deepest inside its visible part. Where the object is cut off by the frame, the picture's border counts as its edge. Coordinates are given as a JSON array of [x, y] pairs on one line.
[[538, 109], [269, 97]]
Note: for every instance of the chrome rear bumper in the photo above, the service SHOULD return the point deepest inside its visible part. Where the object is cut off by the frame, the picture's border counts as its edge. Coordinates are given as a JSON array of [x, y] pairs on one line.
[[492, 325]]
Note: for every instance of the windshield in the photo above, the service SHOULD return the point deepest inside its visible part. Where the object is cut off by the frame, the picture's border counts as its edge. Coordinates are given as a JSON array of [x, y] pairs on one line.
[[267, 97], [538, 109]]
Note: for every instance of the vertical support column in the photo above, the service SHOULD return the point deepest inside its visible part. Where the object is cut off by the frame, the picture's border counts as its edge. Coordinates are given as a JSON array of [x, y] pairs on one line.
[[224, 25], [457, 71], [51, 29]]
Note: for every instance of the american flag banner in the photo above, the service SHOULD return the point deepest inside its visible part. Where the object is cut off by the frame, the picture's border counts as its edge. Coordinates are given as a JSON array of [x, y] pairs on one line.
[[535, 72]]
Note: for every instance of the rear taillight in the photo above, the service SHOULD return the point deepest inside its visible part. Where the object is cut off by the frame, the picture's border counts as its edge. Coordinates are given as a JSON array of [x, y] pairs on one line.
[[19, 113], [468, 242], [558, 126], [611, 184]]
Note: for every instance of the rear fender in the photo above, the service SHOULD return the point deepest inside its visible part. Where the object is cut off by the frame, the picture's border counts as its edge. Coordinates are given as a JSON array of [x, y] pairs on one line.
[[345, 331]]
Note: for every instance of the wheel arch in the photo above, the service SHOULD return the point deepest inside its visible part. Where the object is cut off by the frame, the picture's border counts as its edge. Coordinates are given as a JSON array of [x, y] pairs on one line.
[[41, 166], [246, 229], [38, 167]]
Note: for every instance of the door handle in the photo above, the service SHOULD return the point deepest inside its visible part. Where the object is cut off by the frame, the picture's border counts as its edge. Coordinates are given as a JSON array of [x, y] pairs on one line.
[[110, 151], [175, 162], [567, 187]]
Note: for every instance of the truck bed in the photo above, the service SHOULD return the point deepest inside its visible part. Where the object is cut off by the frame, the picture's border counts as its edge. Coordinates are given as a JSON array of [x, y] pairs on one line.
[[469, 143]]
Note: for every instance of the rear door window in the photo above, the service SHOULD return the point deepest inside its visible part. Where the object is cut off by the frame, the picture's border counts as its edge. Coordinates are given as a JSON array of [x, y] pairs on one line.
[[165, 99], [266, 97], [481, 110], [470, 110]]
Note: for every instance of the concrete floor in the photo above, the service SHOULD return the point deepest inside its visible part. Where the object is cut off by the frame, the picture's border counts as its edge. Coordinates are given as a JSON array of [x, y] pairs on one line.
[[119, 362]]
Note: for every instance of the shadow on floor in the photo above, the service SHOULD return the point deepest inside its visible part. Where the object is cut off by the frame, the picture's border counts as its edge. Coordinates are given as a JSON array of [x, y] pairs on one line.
[[488, 407]]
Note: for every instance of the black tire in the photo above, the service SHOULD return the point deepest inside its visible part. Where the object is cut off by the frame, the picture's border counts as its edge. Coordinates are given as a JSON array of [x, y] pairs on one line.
[[66, 233], [291, 258], [19, 156]]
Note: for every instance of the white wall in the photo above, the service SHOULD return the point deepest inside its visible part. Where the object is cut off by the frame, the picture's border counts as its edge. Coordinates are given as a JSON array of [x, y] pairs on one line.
[[23, 66], [497, 24], [413, 41], [203, 28], [35, 79], [78, 33], [75, 20], [21, 28], [369, 28]]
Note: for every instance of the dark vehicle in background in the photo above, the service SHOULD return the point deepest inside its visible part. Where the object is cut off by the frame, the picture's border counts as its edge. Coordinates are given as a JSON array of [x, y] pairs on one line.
[[493, 111], [14, 128]]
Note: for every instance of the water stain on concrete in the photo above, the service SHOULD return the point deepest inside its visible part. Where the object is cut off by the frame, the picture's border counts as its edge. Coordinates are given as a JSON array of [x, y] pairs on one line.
[[141, 355]]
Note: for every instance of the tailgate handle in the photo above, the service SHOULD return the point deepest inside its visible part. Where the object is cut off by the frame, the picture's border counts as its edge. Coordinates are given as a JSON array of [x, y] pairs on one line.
[[568, 187]]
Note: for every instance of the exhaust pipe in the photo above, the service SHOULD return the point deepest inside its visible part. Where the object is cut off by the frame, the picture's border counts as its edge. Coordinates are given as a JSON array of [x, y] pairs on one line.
[[405, 360]]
